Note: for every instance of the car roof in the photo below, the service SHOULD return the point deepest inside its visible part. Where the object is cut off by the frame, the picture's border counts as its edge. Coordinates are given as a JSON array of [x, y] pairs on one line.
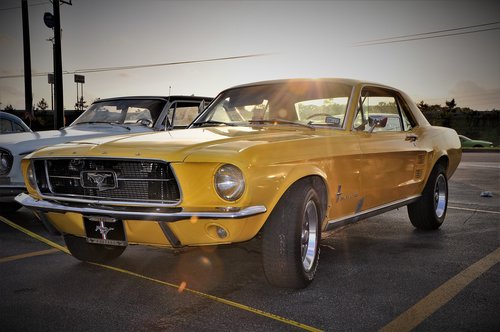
[[9, 116], [348, 81], [15, 119], [165, 98]]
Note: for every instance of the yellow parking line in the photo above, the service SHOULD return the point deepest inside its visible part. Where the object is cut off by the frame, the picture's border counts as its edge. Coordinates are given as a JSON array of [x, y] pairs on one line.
[[214, 298], [442, 295], [27, 255], [178, 287], [34, 235]]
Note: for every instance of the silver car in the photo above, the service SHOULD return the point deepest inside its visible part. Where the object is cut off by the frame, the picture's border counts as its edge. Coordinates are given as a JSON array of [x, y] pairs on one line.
[[105, 117]]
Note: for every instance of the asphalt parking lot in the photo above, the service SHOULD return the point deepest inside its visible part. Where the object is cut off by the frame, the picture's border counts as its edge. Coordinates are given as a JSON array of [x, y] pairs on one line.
[[377, 274]]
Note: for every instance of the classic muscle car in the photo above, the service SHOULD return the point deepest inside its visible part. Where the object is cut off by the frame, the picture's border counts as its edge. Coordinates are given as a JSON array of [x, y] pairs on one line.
[[105, 117], [286, 159]]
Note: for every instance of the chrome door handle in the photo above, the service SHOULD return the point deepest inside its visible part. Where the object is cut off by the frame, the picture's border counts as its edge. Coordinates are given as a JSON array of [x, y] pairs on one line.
[[411, 137]]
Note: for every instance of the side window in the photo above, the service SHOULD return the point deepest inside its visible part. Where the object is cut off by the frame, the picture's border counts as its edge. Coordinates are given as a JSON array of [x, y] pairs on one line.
[[17, 128], [5, 126], [408, 122], [385, 106], [181, 115], [379, 102]]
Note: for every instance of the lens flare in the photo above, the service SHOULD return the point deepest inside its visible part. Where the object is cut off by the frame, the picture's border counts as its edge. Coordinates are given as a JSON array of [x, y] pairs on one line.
[[204, 261], [182, 286]]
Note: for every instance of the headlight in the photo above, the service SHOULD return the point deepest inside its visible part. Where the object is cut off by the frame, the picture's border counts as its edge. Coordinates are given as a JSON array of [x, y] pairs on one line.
[[229, 182], [5, 162], [30, 174]]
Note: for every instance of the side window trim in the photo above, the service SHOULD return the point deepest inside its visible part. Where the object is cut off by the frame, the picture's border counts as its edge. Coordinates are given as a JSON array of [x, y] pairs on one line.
[[404, 113]]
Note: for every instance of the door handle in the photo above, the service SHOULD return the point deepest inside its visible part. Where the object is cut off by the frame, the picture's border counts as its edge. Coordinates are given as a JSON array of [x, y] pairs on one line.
[[411, 137]]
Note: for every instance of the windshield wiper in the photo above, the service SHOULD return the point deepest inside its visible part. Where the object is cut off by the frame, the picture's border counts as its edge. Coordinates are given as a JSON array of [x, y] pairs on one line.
[[92, 122], [212, 123], [103, 122], [281, 121]]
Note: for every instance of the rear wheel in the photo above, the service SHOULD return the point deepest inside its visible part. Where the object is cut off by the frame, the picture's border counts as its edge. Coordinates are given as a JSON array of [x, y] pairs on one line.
[[429, 211], [90, 252], [290, 244]]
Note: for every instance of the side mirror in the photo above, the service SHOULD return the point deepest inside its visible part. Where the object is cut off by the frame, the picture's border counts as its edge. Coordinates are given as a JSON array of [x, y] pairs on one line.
[[377, 121]]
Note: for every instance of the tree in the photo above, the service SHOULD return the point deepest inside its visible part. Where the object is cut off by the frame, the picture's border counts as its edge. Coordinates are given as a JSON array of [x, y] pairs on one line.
[[9, 108], [423, 106], [451, 105], [42, 104]]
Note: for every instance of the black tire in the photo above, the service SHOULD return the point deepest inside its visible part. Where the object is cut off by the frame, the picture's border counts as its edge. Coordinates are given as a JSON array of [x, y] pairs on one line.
[[291, 236], [429, 211], [9, 207], [90, 252]]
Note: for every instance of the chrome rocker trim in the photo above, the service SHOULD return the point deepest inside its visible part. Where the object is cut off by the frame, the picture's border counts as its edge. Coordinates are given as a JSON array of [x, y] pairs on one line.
[[46, 206], [336, 223]]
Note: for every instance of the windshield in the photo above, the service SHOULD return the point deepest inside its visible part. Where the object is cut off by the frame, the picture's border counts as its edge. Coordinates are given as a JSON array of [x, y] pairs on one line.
[[302, 102], [123, 111]]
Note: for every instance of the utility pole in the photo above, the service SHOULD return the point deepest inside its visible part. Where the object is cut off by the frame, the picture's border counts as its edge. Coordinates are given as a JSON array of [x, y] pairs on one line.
[[28, 93], [58, 77]]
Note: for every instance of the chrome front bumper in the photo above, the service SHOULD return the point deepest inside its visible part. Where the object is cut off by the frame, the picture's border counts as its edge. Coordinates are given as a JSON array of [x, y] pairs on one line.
[[154, 214]]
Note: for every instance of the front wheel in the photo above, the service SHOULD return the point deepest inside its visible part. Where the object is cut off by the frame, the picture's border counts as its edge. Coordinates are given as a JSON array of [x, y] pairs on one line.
[[90, 252], [429, 211], [290, 244]]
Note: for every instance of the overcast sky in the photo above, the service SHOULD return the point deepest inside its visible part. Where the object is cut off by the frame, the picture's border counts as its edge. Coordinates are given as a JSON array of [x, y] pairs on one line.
[[294, 39]]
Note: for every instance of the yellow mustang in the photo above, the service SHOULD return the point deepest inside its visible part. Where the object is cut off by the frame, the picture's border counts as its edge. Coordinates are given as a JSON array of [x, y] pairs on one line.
[[286, 159]]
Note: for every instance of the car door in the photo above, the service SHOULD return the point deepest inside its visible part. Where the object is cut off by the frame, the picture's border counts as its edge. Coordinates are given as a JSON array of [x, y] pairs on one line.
[[392, 163]]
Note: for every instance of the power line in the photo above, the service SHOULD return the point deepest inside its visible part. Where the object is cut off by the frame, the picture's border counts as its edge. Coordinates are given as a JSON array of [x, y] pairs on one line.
[[429, 37], [30, 5], [430, 33], [425, 35], [105, 69], [94, 70]]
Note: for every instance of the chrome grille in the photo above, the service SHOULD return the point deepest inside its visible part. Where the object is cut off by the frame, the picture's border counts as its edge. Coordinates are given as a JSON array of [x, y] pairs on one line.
[[108, 179]]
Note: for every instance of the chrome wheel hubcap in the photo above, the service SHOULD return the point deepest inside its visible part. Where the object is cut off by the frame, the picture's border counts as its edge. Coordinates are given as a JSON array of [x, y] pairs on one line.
[[309, 238], [440, 191]]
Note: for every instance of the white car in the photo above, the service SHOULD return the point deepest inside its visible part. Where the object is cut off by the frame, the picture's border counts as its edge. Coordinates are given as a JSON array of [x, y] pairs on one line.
[[9, 124], [105, 117]]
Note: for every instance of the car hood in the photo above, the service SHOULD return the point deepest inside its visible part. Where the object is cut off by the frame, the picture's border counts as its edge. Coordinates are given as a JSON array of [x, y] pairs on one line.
[[24, 143], [199, 144]]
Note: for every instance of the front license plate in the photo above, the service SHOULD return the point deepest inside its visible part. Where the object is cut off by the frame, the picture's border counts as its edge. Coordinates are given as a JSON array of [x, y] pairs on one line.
[[104, 230]]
